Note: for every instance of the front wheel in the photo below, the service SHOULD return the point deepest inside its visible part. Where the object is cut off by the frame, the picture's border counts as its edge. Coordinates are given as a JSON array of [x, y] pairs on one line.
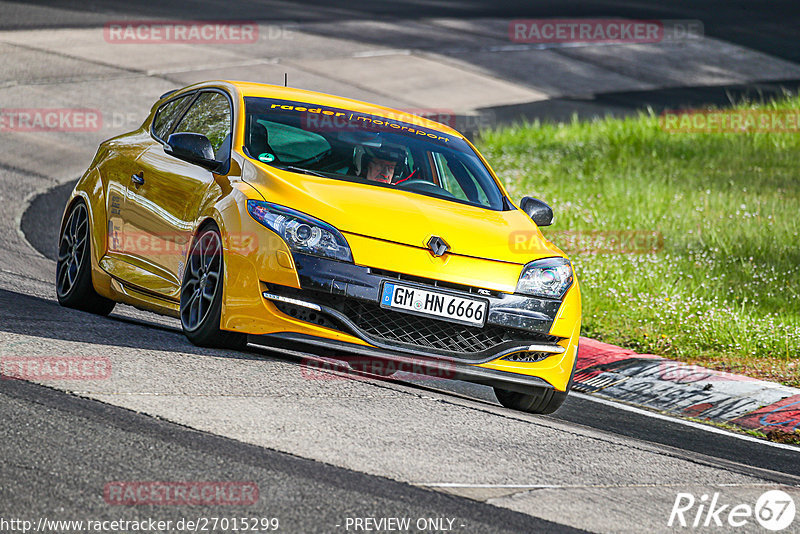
[[201, 294], [74, 287], [543, 401]]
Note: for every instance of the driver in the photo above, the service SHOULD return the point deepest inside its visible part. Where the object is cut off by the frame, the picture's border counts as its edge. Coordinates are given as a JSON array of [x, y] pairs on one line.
[[381, 170], [378, 164]]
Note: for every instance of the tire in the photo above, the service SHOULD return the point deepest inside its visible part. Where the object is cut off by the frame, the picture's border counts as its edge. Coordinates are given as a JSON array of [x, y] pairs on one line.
[[542, 401], [201, 294], [74, 287]]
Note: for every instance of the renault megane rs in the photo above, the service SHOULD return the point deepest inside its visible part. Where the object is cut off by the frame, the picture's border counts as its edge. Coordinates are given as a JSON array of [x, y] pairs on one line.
[[287, 217]]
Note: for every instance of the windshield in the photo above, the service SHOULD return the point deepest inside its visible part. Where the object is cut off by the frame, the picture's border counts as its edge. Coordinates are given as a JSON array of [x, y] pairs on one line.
[[347, 145]]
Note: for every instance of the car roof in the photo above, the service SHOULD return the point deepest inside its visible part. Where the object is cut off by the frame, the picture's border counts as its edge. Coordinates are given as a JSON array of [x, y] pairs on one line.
[[252, 89]]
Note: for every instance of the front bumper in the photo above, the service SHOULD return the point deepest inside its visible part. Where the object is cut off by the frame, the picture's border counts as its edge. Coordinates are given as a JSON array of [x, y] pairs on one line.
[[361, 357], [346, 297]]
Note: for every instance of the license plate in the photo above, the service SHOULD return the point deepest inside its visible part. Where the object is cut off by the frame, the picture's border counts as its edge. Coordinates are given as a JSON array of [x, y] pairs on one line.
[[434, 304]]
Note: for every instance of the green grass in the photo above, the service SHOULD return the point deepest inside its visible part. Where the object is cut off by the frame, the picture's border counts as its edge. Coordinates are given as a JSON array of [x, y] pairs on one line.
[[725, 289]]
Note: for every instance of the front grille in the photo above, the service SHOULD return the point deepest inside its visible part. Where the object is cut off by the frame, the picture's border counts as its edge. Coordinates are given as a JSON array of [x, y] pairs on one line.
[[429, 333], [413, 331]]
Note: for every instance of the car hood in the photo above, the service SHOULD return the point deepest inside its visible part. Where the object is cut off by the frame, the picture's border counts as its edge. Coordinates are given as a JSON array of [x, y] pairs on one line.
[[405, 217]]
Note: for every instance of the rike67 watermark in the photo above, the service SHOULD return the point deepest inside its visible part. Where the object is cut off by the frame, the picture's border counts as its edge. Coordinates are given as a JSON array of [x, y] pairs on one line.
[[774, 510]]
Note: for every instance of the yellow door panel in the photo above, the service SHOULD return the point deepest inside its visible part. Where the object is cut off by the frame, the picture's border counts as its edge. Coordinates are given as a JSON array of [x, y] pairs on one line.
[[160, 213], [135, 275]]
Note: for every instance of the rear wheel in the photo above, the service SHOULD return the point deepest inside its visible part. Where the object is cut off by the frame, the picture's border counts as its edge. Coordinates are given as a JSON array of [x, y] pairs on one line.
[[201, 294], [74, 287]]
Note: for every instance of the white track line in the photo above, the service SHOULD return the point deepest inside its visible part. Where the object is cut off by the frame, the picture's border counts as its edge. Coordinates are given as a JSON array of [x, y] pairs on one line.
[[692, 424], [510, 486], [583, 486]]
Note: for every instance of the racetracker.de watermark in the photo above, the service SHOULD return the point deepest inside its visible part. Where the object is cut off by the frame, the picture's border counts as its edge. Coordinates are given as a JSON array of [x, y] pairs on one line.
[[320, 119], [685, 373], [327, 370], [461, 122], [591, 241], [193, 493], [731, 121], [605, 31], [50, 120], [169, 243], [55, 368], [181, 31]]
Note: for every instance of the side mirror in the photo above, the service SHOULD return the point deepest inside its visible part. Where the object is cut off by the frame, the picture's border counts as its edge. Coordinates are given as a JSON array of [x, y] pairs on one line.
[[194, 148], [538, 211]]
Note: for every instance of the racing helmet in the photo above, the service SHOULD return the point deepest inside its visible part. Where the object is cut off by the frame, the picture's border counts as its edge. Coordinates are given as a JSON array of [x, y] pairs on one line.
[[363, 155]]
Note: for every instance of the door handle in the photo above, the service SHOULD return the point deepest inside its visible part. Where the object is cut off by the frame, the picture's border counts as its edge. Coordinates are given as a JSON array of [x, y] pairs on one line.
[[138, 179]]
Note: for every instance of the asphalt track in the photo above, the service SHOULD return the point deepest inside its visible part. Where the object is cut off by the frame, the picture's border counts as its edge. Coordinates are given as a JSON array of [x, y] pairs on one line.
[[771, 28], [72, 445], [325, 450]]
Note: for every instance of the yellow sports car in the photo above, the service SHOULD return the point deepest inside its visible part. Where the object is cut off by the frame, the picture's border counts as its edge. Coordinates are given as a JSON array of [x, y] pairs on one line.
[[286, 217]]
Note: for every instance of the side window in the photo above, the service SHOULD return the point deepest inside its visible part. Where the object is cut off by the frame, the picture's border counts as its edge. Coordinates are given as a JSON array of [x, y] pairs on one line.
[[168, 114], [448, 181], [210, 115], [464, 187]]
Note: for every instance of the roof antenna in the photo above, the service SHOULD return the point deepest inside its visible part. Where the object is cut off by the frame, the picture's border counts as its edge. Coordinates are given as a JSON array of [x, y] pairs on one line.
[[285, 79]]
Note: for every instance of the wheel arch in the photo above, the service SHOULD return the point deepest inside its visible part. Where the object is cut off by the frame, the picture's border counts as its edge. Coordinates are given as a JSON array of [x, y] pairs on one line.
[[89, 190], [204, 223], [97, 298]]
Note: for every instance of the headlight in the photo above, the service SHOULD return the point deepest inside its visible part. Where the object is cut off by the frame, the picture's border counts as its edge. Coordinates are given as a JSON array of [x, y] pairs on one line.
[[301, 232], [550, 277]]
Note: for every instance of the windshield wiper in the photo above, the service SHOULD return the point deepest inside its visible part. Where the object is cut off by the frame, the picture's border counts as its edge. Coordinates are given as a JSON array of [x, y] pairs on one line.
[[302, 170]]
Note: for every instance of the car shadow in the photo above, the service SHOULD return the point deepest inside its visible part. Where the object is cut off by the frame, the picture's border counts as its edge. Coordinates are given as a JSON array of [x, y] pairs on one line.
[[42, 318]]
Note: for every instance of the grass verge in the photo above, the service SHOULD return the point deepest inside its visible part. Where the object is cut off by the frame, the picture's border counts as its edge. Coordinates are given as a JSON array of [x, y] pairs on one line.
[[724, 291]]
